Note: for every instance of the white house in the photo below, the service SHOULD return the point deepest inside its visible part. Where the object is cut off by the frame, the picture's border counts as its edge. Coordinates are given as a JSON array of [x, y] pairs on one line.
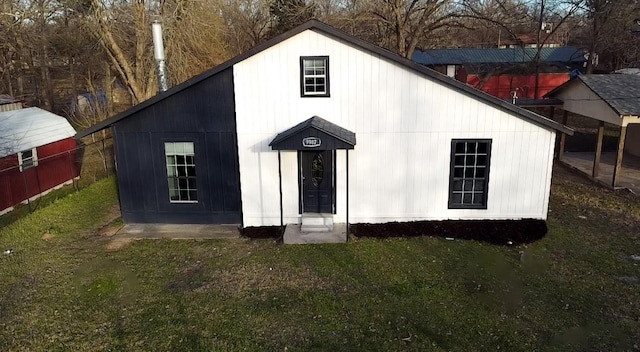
[[320, 122]]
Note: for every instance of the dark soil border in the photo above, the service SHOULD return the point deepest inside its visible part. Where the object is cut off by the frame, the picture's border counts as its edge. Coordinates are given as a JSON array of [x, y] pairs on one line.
[[500, 232], [261, 232]]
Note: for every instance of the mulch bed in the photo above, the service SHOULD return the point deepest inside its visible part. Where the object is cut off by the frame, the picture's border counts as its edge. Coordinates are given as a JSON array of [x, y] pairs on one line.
[[261, 232], [501, 232]]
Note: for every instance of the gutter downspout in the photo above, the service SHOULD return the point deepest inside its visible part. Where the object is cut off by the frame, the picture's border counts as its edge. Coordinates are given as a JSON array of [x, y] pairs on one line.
[[280, 179], [347, 157]]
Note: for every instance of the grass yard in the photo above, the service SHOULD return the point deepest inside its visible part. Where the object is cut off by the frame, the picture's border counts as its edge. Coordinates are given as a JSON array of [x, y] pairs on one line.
[[575, 290]]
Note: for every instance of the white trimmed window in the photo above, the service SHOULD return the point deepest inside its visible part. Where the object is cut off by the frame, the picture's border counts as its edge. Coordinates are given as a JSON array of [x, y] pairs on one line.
[[28, 159], [469, 178], [314, 76], [181, 172]]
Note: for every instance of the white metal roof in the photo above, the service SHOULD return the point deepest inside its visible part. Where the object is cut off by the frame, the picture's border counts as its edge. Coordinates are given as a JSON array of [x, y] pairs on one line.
[[29, 128]]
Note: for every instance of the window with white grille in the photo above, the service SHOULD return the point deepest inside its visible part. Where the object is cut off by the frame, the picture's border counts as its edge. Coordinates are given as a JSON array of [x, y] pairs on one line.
[[314, 76], [181, 172], [469, 178]]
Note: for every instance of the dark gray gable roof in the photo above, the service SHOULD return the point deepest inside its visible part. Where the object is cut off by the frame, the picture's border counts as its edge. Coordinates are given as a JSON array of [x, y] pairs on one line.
[[343, 135], [340, 35], [620, 91], [474, 56]]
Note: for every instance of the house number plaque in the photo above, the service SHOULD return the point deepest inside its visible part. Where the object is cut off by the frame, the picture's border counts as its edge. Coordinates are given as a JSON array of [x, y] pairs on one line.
[[311, 142]]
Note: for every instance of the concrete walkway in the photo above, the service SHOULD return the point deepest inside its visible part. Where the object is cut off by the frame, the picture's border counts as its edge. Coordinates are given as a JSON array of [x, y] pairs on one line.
[[629, 178], [293, 235], [182, 232]]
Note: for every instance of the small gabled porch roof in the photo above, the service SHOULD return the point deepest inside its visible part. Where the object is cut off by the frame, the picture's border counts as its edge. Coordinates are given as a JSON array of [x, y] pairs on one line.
[[315, 133]]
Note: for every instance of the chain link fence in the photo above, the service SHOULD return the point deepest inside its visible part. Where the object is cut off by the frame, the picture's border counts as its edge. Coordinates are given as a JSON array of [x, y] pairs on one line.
[[26, 188]]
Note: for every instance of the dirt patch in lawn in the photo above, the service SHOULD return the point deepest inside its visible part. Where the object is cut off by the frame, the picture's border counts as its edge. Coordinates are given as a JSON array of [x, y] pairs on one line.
[[243, 279], [502, 232]]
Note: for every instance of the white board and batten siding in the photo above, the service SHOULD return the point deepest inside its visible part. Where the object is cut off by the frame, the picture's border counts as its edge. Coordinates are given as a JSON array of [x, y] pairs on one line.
[[583, 101], [404, 124]]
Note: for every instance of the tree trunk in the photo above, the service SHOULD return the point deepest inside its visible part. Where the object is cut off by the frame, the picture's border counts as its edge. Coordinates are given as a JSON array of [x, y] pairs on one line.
[[108, 89], [72, 75], [9, 84], [45, 82], [36, 81], [536, 60]]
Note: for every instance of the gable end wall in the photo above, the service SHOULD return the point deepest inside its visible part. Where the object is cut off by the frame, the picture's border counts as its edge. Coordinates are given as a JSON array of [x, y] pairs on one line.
[[404, 123], [580, 99], [202, 114]]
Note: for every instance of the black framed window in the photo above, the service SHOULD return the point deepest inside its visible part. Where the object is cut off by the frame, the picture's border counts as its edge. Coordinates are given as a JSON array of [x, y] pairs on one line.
[[181, 172], [314, 76], [469, 177]]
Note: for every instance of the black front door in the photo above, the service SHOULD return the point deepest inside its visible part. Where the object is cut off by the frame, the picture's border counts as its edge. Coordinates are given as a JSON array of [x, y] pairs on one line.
[[317, 181]]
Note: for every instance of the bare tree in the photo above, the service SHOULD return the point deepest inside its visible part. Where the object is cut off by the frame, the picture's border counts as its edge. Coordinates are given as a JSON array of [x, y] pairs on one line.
[[26, 36], [287, 14], [610, 33], [192, 36], [512, 17], [247, 23], [409, 23]]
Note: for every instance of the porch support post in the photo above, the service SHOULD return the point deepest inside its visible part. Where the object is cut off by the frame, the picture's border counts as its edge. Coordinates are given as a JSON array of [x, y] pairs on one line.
[[280, 179], [347, 208], [596, 160], [563, 136], [618, 166]]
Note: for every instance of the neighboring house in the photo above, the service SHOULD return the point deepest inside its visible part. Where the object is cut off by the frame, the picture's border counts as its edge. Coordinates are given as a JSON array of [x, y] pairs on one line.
[[86, 103], [316, 123], [530, 40], [8, 103], [608, 98], [505, 72], [37, 154]]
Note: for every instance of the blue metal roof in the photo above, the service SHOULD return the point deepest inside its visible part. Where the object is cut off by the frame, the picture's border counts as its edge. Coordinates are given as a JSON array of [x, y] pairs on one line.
[[566, 54]]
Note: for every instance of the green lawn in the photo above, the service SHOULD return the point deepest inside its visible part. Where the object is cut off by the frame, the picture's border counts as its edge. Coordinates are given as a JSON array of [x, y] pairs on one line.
[[573, 290]]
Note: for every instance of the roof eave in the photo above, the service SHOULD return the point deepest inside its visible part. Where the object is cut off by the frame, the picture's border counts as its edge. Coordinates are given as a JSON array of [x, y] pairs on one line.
[[197, 79], [326, 29]]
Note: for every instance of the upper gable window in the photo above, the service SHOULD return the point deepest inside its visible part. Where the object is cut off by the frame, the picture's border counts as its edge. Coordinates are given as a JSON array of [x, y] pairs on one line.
[[314, 76]]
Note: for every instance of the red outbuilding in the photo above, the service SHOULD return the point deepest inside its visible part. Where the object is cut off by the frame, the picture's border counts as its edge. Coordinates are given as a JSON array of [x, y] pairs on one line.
[[510, 73], [37, 155]]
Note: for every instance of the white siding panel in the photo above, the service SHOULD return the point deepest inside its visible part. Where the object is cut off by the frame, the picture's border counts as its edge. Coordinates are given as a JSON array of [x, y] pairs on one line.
[[580, 99], [404, 124]]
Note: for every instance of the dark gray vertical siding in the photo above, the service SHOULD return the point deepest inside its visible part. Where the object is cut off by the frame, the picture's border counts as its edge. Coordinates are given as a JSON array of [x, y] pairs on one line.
[[132, 172], [229, 162], [203, 114]]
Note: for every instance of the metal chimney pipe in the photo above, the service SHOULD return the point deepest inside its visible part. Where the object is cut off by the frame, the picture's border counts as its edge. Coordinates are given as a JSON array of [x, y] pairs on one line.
[[158, 54]]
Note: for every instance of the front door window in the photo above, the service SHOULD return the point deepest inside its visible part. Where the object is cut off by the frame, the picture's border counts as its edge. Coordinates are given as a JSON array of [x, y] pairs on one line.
[[317, 181], [317, 169]]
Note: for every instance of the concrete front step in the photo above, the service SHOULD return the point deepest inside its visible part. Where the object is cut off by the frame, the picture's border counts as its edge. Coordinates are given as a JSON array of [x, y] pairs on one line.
[[293, 234], [313, 222], [316, 228]]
